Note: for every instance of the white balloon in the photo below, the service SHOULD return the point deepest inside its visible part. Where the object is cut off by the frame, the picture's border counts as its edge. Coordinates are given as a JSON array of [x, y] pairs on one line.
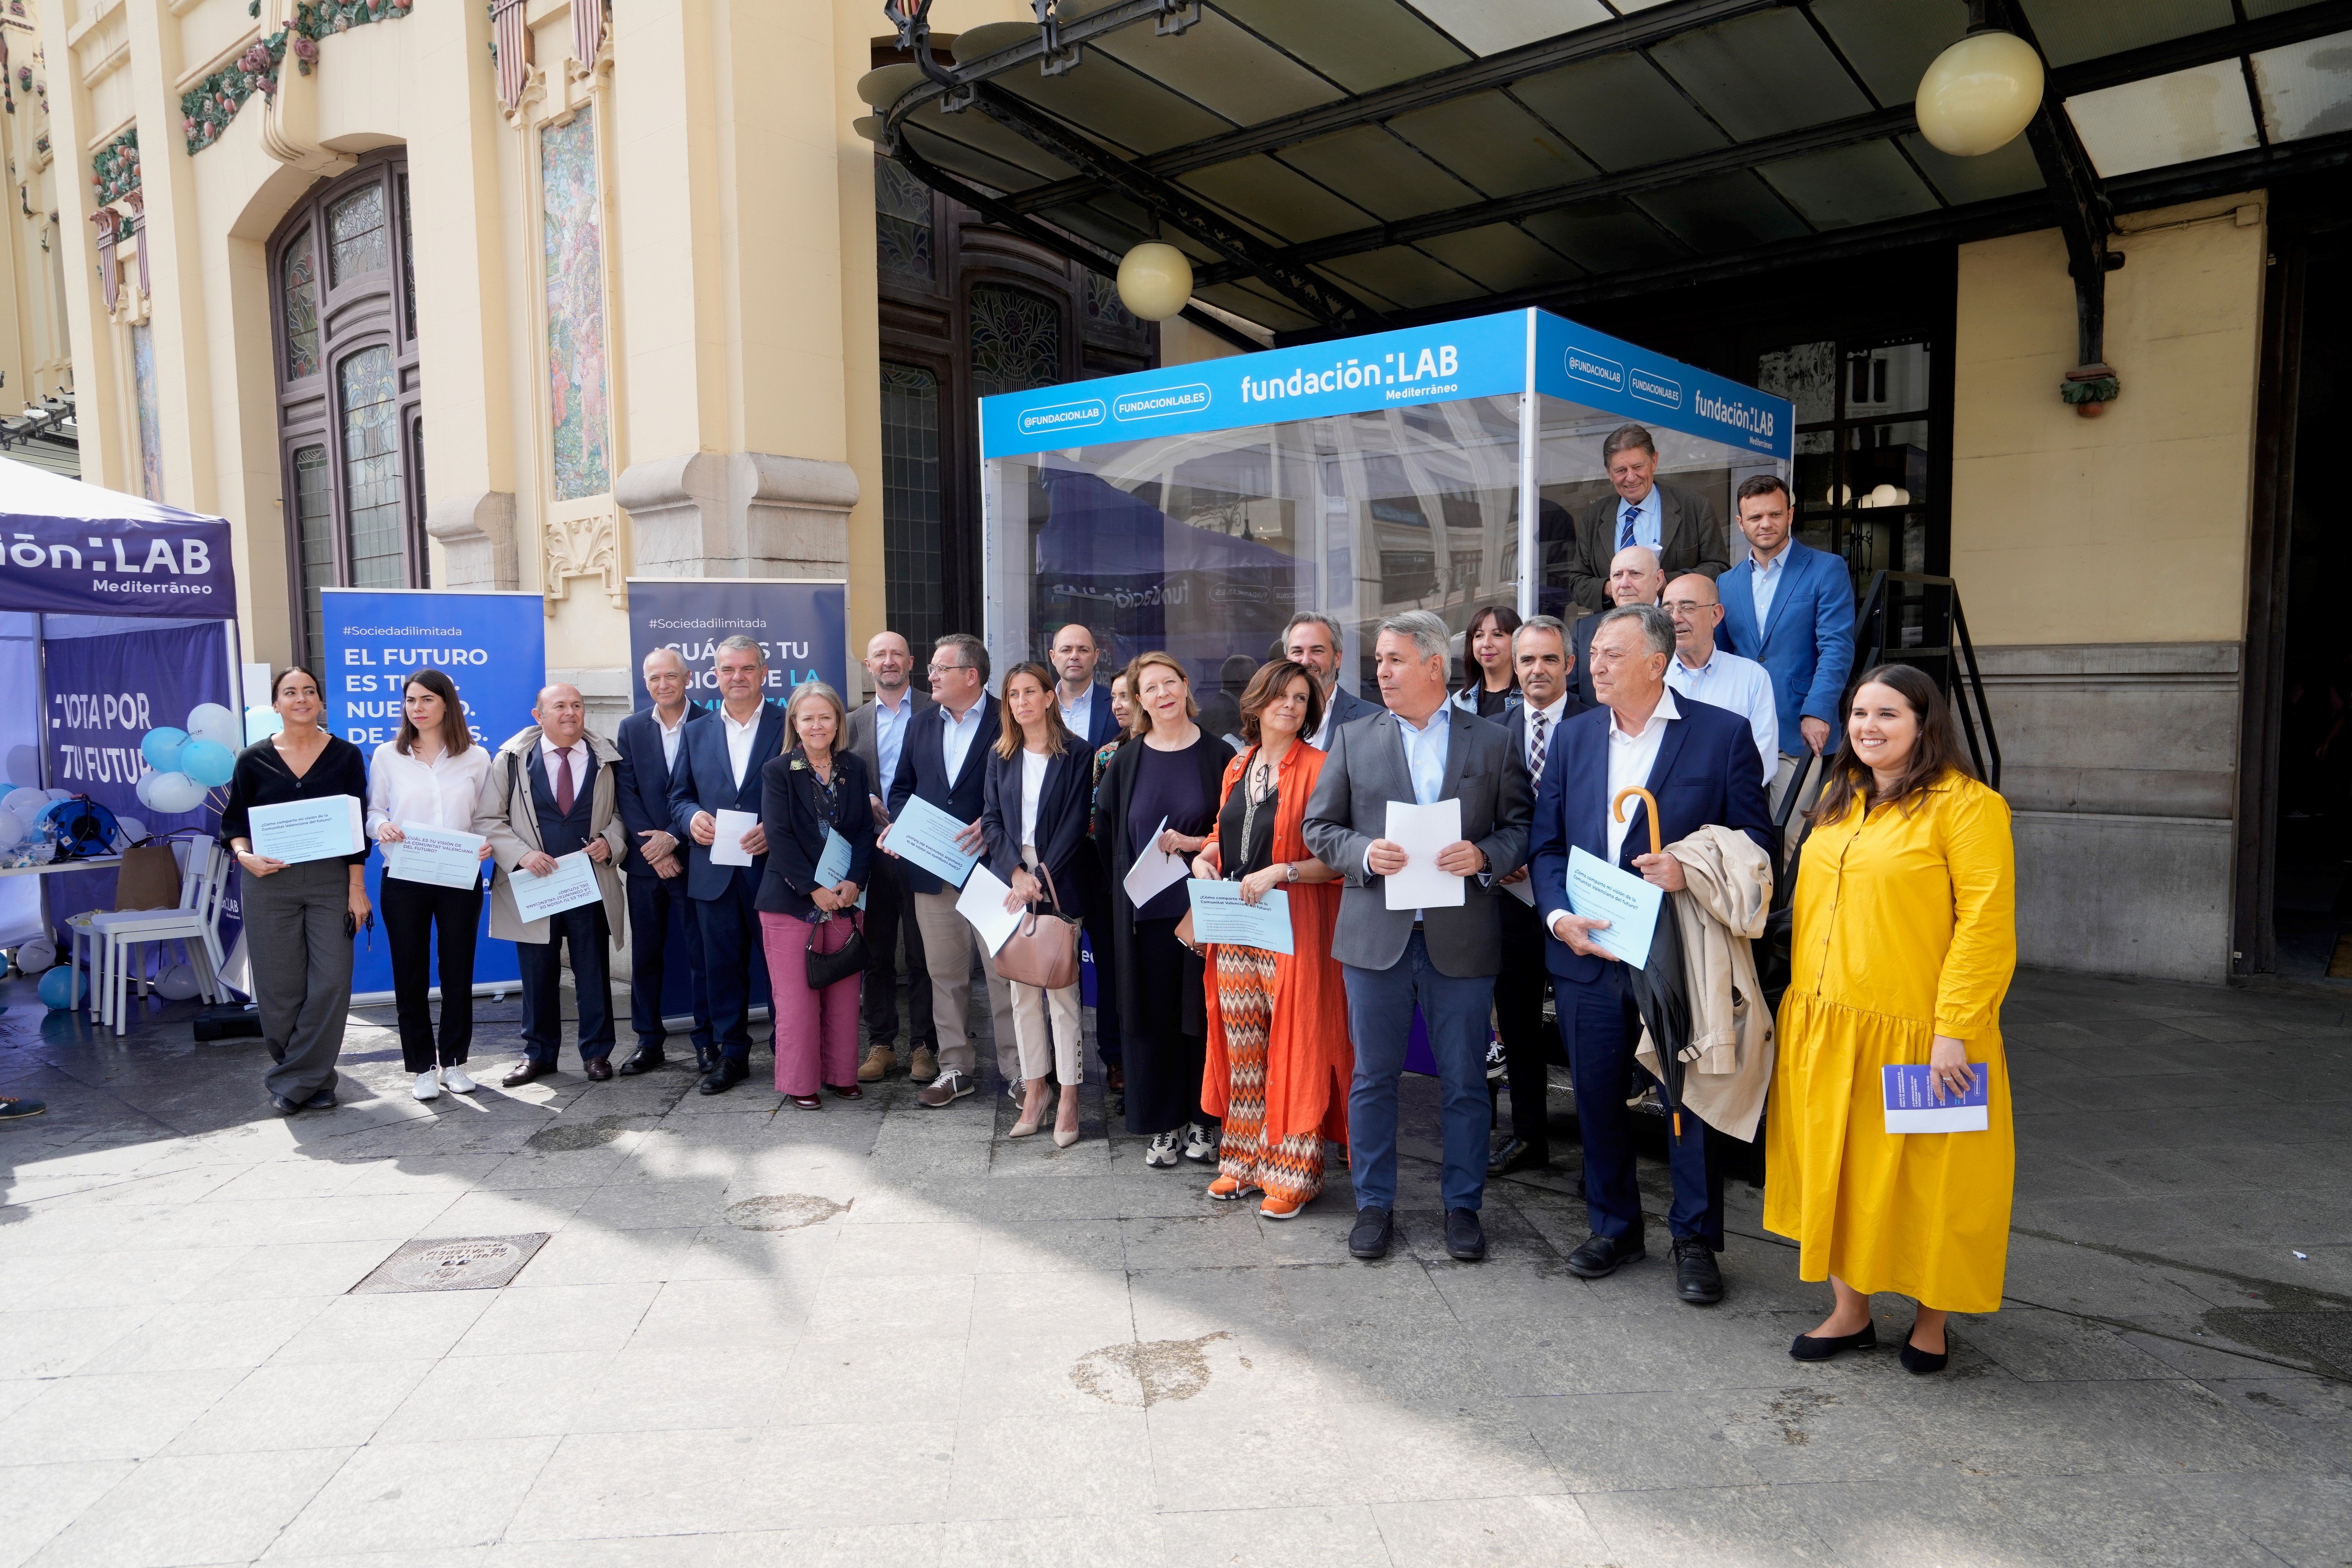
[[36, 955], [173, 793], [177, 983], [214, 722], [24, 805], [130, 829], [61, 795], [12, 830], [140, 789]]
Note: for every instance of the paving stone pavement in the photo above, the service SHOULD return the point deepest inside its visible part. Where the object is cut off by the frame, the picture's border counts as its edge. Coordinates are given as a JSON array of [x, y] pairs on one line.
[[881, 1334]]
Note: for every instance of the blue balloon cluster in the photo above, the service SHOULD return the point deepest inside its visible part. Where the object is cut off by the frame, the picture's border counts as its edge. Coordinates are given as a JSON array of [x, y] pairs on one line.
[[187, 762]]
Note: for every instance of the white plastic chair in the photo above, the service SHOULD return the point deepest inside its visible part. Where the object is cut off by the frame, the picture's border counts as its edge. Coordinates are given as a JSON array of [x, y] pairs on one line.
[[195, 925]]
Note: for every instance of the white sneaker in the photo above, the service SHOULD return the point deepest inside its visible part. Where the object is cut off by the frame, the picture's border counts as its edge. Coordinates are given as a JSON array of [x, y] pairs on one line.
[[1016, 1089], [1162, 1153], [428, 1085], [1200, 1144], [455, 1080]]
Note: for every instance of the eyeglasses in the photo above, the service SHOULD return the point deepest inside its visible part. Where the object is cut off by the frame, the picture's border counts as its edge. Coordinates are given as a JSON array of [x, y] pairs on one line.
[[943, 668]]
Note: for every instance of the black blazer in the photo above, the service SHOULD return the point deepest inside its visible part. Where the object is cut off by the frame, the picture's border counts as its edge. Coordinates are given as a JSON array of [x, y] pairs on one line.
[[641, 784], [262, 778], [923, 770], [1119, 854], [705, 780], [1064, 808], [792, 811], [1689, 540]]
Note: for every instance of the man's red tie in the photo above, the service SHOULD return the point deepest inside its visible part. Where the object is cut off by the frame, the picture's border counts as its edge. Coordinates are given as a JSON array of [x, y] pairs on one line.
[[563, 782]]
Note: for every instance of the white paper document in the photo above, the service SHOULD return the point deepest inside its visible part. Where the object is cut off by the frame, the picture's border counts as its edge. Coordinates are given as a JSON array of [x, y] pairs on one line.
[[299, 830], [572, 884], [1628, 904], [1423, 832], [1524, 889], [925, 837], [440, 855], [1154, 870], [1220, 915], [982, 903], [833, 864], [727, 842]]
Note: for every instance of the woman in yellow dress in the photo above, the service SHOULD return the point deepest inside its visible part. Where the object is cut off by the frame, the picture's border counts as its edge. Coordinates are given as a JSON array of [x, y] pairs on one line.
[[1904, 940]]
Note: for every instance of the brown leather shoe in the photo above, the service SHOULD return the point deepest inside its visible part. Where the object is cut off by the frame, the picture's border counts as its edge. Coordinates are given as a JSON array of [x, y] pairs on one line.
[[879, 1061], [523, 1071], [926, 1064], [599, 1069]]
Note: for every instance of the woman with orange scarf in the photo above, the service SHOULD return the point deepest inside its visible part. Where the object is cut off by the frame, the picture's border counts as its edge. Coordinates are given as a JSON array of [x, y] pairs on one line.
[[1278, 1058]]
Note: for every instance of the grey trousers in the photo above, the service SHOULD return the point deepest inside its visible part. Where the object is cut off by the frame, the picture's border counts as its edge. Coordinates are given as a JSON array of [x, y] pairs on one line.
[[302, 971]]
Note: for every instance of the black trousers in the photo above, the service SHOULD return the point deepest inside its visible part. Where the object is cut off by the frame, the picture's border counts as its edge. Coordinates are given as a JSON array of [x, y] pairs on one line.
[[890, 918], [585, 933], [1097, 884], [651, 902], [1518, 1017], [411, 911]]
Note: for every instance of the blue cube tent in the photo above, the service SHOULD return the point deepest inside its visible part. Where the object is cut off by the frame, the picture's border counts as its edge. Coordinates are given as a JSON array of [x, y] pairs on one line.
[[1197, 508]]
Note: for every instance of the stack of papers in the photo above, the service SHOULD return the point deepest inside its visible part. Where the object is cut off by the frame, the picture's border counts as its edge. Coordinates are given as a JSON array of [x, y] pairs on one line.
[[301, 830], [440, 855]]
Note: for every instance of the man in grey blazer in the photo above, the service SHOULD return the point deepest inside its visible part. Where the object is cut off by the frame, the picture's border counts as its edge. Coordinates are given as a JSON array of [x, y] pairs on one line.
[[875, 732], [1679, 526], [1421, 749]]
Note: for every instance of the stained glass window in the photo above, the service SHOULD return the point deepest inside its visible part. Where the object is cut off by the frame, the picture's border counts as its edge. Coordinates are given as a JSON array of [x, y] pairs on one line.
[[151, 418], [314, 532], [572, 232], [371, 422], [407, 264], [299, 289], [902, 220], [1016, 341], [1861, 478], [1103, 305], [913, 593], [357, 240]]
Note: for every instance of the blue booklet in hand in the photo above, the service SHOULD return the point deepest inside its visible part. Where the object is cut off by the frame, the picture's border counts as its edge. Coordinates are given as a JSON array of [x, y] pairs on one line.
[[1912, 1105]]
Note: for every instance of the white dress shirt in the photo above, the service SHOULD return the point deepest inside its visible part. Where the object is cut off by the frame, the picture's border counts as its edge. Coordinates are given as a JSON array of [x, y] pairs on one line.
[[1648, 522], [1076, 716], [955, 743], [1763, 581], [1631, 758], [572, 759], [670, 735], [1033, 784], [1740, 685], [404, 790], [890, 735], [1321, 738], [740, 739]]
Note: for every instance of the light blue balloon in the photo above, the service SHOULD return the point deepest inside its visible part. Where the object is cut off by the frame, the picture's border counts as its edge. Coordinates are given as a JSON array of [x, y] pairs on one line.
[[208, 762], [63, 987], [161, 747]]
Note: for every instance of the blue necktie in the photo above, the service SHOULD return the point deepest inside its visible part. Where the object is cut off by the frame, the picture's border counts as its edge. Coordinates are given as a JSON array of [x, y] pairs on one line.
[[1626, 537]]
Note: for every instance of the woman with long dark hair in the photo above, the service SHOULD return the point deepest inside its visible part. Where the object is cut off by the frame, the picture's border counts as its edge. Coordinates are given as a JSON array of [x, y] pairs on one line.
[[299, 917], [1904, 940], [1490, 681], [429, 775], [815, 789]]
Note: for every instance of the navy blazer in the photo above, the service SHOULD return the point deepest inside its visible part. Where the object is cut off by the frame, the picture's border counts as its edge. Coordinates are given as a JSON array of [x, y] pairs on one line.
[[1806, 643], [1707, 772], [704, 780], [791, 810], [1102, 724], [923, 770], [642, 783], [1065, 811]]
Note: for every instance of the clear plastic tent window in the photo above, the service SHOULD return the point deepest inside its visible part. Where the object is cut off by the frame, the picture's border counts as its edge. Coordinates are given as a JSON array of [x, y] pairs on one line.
[[1197, 508]]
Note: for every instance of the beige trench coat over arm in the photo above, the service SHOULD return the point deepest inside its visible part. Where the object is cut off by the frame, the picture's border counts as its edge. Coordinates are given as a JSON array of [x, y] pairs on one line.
[[505, 815], [1728, 1064]]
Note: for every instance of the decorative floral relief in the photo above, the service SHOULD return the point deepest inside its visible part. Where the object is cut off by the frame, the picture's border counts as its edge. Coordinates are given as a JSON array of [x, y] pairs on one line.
[[207, 109], [115, 168]]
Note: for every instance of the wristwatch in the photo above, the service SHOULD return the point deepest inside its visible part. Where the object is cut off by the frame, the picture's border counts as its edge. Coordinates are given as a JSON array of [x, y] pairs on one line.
[[1290, 871]]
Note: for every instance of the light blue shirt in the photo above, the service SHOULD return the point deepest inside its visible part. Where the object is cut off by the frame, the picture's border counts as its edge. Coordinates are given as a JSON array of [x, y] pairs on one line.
[[1647, 527], [1077, 717], [889, 736], [1424, 753], [955, 741], [1739, 686], [1763, 581]]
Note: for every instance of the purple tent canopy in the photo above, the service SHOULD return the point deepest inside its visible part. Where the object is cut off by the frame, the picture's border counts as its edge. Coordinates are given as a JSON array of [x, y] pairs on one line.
[[74, 549]]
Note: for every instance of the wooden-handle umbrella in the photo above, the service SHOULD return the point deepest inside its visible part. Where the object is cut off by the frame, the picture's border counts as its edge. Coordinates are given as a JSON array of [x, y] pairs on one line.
[[1617, 810]]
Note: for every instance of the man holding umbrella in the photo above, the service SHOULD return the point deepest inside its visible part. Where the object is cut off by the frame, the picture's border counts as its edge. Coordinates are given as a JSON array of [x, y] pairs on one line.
[[1699, 763]]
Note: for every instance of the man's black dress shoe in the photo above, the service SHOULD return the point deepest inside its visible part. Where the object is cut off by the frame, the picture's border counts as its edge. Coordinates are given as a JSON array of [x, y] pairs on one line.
[[523, 1071], [1370, 1239], [729, 1072], [1696, 1278], [1465, 1239], [285, 1107], [1601, 1255], [705, 1058], [645, 1059], [1820, 1347], [1517, 1155], [599, 1069]]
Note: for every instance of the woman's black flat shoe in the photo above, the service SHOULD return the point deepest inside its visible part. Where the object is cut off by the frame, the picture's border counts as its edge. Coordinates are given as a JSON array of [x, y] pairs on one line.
[[1805, 1347], [1919, 1362]]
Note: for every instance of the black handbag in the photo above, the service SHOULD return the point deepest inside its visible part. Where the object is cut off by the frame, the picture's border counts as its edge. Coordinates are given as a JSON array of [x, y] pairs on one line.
[[853, 957]]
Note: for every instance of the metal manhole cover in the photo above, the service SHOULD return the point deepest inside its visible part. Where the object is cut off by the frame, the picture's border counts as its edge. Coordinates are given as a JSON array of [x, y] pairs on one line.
[[567, 1135], [783, 1211], [452, 1263]]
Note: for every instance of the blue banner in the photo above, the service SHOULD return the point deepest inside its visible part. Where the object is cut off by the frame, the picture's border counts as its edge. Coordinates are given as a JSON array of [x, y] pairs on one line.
[[493, 645], [801, 625], [1580, 365], [78, 549]]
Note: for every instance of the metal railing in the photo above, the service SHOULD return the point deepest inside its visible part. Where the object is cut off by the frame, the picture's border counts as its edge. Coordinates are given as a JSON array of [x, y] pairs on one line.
[[1908, 618]]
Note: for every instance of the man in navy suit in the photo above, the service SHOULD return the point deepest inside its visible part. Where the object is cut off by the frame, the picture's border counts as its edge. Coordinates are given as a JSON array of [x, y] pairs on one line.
[[1700, 763], [654, 867], [1790, 607], [945, 760], [718, 762], [1086, 713], [1313, 641]]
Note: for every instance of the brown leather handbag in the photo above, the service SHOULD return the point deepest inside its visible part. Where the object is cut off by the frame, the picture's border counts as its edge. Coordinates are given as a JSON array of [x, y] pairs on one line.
[[1043, 950]]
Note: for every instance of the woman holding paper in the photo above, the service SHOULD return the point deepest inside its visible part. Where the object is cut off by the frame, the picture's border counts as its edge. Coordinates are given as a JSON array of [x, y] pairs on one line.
[[1905, 942], [299, 916], [429, 776], [1158, 799], [809, 797], [1034, 822], [1278, 1060]]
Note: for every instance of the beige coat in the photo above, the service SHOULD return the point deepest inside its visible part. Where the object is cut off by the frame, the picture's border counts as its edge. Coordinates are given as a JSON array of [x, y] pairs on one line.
[[505, 815], [1728, 1064]]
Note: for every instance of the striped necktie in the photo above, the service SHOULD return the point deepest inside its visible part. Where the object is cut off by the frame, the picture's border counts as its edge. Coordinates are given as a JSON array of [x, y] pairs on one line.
[[1625, 534]]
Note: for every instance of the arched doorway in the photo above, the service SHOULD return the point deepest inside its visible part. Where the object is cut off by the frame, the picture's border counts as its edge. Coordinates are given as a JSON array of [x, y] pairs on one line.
[[350, 429]]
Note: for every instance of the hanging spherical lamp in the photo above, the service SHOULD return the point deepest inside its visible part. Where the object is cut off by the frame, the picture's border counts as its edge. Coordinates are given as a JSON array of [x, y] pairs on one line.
[[1980, 93], [1155, 281]]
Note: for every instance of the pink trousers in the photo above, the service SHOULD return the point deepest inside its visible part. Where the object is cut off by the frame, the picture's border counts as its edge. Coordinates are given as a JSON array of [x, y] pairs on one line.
[[816, 1031]]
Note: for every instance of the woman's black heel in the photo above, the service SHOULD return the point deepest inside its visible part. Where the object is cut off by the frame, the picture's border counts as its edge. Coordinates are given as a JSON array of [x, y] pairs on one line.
[[1921, 1363]]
